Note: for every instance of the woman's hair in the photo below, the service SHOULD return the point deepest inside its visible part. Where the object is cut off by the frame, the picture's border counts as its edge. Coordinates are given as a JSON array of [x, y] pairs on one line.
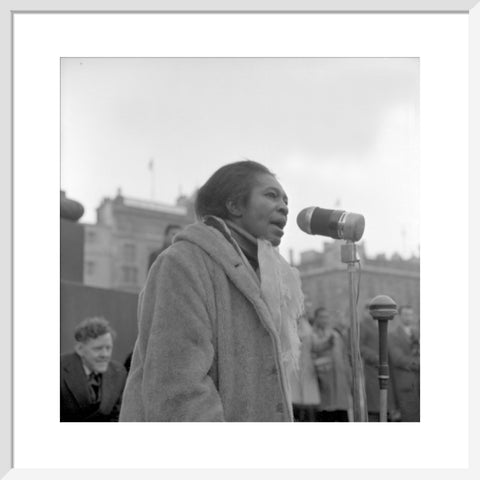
[[230, 183], [171, 227], [91, 328]]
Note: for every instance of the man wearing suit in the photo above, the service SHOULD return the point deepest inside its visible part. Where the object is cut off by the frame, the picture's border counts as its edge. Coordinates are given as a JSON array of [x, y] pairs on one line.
[[404, 347], [91, 384]]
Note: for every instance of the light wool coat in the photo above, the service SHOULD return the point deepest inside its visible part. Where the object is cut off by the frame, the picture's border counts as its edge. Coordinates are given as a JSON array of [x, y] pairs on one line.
[[207, 348]]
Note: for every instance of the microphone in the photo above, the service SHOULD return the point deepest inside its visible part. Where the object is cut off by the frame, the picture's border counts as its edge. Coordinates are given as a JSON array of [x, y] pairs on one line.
[[336, 224], [382, 309]]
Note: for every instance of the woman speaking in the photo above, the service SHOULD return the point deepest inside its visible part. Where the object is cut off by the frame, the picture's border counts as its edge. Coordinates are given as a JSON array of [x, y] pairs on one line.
[[218, 314]]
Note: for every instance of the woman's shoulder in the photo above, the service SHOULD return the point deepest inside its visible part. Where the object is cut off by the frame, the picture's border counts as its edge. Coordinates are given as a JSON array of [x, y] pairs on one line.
[[182, 252], [191, 251]]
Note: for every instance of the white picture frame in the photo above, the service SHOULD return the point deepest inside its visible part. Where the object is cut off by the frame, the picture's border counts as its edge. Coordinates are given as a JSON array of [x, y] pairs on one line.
[[13, 10]]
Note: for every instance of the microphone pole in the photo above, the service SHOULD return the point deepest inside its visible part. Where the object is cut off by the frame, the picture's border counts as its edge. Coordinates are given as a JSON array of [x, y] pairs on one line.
[[347, 226], [349, 255], [383, 309]]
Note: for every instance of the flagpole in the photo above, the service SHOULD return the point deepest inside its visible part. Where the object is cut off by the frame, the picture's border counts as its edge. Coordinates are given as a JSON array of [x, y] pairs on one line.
[[151, 168]]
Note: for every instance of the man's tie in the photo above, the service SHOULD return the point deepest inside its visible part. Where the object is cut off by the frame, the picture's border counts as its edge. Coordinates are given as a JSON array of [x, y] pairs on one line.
[[94, 381]]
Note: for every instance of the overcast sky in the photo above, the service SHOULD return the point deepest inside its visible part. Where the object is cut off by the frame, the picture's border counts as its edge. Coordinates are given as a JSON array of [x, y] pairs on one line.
[[338, 133]]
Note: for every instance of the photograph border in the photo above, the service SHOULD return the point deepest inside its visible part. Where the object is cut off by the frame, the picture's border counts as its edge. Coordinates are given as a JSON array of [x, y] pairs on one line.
[[11, 8]]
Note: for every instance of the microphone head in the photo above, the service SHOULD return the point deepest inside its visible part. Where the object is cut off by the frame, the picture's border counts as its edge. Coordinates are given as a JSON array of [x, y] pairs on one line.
[[382, 307], [336, 224], [354, 226], [304, 219]]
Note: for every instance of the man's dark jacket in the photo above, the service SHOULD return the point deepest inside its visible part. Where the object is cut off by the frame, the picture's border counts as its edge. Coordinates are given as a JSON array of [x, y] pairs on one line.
[[405, 371], [75, 397]]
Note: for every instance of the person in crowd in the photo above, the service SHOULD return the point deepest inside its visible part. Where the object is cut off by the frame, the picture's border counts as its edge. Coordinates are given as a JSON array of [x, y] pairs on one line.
[[169, 233], [369, 353], [91, 383], [218, 314], [304, 381], [404, 347], [333, 369]]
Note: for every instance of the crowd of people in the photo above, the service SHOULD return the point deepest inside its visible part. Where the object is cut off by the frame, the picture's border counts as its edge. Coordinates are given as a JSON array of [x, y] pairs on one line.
[[323, 385], [222, 330]]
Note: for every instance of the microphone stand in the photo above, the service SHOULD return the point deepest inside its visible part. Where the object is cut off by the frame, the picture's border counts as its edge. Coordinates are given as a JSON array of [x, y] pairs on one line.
[[349, 255], [383, 309]]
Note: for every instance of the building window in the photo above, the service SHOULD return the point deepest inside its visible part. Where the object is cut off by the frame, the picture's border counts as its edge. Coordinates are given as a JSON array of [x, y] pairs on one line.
[[91, 236], [129, 252], [129, 275], [90, 268]]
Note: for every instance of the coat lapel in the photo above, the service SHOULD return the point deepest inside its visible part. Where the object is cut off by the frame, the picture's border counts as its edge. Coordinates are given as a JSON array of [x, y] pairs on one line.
[[76, 381]]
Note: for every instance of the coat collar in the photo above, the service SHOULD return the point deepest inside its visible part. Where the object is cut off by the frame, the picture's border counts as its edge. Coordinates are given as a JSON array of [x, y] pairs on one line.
[[216, 240]]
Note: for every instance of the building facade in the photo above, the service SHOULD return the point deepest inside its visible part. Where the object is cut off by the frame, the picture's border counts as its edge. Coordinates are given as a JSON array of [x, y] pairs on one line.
[[325, 282], [118, 246]]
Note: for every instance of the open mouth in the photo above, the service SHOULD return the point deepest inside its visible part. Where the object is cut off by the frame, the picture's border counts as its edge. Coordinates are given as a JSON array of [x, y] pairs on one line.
[[277, 229], [279, 223]]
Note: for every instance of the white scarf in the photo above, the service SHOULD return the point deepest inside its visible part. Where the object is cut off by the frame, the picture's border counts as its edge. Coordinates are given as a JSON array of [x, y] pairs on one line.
[[281, 289]]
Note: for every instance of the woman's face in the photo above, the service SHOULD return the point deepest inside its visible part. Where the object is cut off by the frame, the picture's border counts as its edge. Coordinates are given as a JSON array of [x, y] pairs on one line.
[[265, 212]]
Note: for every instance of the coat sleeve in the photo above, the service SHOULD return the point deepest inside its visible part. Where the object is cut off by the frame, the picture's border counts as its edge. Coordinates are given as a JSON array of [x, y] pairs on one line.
[[179, 354]]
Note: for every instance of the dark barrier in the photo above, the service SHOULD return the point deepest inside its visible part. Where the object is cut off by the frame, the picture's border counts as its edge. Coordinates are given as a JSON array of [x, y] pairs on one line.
[[71, 250]]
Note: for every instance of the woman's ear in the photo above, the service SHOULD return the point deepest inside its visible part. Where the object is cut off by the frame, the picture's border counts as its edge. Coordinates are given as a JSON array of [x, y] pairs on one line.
[[234, 209]]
